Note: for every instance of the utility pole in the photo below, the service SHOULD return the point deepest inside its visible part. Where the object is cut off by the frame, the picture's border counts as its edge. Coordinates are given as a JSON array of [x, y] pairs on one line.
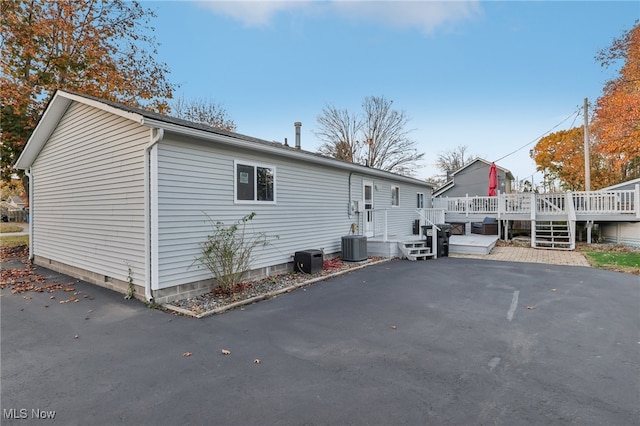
[[587, 163]]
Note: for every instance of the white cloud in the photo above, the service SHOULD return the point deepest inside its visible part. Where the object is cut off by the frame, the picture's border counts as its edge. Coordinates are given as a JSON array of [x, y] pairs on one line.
[[254, 13], [425, 15]]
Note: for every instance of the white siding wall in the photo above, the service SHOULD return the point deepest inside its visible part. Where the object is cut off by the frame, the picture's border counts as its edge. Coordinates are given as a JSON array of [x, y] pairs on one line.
[[196, 181], [399, 218], [621, 233], [88, 194]]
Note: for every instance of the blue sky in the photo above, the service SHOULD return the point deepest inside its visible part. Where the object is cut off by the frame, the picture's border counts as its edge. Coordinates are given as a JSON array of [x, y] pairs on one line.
[[490, 75]]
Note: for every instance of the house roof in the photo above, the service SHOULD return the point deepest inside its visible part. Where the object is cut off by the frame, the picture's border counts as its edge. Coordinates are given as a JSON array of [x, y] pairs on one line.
[[488, 163], [450, 183], [61, 100], [621, 184], [15, 199]]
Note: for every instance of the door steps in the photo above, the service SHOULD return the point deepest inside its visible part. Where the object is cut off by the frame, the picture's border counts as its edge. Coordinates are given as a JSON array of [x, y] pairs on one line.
[[415, 250]]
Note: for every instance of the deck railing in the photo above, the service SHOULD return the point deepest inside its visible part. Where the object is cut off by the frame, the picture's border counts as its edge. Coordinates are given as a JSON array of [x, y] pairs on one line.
[[381, 219], [606, 202], [623, 202]]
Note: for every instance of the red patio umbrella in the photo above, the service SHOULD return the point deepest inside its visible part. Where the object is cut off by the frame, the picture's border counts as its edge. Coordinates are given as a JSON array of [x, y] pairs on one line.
[[493, 180]]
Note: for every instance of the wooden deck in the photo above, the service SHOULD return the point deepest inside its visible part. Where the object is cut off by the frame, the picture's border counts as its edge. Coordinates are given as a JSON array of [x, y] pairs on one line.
[[581, 206], [460, 244], [552, 218]]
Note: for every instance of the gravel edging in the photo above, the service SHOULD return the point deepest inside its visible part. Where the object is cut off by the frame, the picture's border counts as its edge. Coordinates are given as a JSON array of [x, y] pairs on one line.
[[268, 295]]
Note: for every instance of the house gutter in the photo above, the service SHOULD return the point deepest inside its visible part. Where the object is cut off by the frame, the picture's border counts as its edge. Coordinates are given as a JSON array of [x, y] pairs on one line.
[[150, 235], [292, 153], [28, 173]]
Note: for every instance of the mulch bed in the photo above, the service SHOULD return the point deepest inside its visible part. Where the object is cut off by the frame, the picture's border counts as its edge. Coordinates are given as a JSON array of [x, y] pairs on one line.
[[252, 291], [24, 278]]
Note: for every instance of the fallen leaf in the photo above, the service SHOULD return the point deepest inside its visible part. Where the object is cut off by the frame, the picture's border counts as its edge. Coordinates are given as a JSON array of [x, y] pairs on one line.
[[69, 289], [27, 297], [226, 352], [76, 336], [72, 298], [186, 354], [256, 361], [554, 289], [393, 327], [531, 307], [52, 297]]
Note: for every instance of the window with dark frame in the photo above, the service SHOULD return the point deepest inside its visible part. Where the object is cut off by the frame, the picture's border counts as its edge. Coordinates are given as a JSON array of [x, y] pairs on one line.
[[255, 183], [395, 196]]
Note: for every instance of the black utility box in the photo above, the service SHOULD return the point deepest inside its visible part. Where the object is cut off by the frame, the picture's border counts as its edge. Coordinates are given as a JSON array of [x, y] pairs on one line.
[[308, 261], [441, 245]]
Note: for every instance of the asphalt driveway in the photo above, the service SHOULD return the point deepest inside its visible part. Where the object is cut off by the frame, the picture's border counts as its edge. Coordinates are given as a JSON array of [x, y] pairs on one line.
[[445, 342]]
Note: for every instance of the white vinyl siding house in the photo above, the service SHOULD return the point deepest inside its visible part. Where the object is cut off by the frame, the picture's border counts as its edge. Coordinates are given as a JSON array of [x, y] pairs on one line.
[[301, 219], [88, 196], [114, 187], [622, 232]]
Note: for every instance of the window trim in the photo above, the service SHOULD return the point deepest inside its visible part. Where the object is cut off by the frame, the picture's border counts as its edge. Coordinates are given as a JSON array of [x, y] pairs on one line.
[[397, 188], [255, 165]]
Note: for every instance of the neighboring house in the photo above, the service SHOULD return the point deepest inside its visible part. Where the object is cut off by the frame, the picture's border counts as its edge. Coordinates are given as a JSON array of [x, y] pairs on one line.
[[13, 209], [119, 193], [621, 232], [473, 180], [16, 202]]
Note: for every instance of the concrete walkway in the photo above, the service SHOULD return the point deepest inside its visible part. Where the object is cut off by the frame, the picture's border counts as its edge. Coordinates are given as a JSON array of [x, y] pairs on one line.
[[531, 255]]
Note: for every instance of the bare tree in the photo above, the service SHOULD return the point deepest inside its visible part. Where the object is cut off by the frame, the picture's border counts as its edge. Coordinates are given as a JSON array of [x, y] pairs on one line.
[[450, 161], [378, 138], [203, 112], [339, 132]]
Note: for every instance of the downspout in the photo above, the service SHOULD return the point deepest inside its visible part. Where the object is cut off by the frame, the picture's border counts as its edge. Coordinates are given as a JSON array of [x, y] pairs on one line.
[[29, 175], [156, 136], [349, 206]]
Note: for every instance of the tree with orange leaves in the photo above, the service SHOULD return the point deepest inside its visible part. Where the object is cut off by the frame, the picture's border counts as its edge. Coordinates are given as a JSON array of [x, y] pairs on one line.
[[560, 156], [96, 47], [617, 114]]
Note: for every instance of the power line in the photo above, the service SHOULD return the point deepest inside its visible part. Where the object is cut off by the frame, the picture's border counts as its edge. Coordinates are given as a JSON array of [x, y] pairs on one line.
[[576, 113]]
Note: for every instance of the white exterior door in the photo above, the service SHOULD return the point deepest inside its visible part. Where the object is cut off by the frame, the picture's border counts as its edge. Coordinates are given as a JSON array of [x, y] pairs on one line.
[[367, 202]]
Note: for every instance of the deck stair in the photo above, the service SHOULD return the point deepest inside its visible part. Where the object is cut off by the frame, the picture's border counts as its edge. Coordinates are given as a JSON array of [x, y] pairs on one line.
[[551, 234], [415, 250]]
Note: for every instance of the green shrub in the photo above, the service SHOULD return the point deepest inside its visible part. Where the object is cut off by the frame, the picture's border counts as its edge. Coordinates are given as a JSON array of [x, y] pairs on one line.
[[227, 251]]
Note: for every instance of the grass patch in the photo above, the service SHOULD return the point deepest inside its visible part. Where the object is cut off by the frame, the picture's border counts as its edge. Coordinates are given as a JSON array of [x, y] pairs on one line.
[[613, 258], [14, 240], [9, 227]]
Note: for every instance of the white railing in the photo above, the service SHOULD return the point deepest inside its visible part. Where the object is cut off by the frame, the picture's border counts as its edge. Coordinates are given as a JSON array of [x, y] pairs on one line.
[[571, 220], [605, 202], [468, 205], [551, 203], [381, 223], [623, 202], [519, 203], [432, 216], [385, 219]]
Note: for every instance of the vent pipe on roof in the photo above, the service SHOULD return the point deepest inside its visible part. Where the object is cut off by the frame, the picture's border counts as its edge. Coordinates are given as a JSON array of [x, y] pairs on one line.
[[298, 125], [286, 143]]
